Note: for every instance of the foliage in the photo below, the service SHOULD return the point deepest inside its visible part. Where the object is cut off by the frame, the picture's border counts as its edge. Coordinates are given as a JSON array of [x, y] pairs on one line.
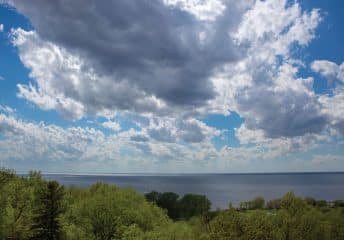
[[32, 208], [190, 205], [169, 201], [193, 205], [46, 223], [257, 203]]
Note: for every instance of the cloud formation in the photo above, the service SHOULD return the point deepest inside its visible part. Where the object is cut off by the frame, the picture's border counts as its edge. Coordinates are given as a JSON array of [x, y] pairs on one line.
[[83, 149], [114, 126], [143, 49], [207, 10], [329, 70], [165, 64], [264, 87]]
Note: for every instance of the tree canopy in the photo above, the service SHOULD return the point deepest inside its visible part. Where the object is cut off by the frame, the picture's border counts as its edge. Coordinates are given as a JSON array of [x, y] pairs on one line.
[[33, 208]]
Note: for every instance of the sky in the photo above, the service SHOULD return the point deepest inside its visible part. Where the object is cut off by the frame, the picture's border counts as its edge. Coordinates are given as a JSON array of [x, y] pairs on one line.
[[171, 86]]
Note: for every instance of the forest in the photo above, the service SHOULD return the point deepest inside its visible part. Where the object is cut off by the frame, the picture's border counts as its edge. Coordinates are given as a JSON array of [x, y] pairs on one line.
[[34, 208]]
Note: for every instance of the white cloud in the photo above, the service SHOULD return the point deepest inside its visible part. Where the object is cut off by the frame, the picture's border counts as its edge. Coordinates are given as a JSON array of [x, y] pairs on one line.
[[261, 83], [52, 148], [166, 71], [7, 109], [328, 69], [247, 136], [87, 149], [333, 108], [64, 82], [264, 87], [273, 25], [205, 10], [176, 130], [69, 84], [114, 126], [1, 27], [266, 19]]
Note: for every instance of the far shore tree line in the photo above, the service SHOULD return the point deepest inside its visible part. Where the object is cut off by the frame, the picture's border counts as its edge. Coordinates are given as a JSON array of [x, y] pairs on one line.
[[33, 208]]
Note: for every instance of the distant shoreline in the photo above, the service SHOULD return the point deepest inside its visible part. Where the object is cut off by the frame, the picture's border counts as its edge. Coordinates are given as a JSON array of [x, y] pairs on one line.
[[182, 174]]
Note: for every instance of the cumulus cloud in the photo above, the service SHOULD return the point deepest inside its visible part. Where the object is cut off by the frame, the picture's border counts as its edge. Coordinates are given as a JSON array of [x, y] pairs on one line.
[[139, 138], [1, 27], [84, 149], [7, 109], [175, 130], [147, 49], [282, 145], [207, 10], [169, 62], [333, 108], [63, 83], [264, 87], [28, 141], [332, 104], [114, 126], [329, 70]]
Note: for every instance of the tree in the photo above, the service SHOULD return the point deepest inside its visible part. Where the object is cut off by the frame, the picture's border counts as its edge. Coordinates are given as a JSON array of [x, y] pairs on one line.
[[152, 196], [338, 203], [274, 204], [6, 175], [169, 201], [321, 203], [310, 201], [193, 205], [16, 200], [257, 203], [46, 221], [105, 212], [292, 204], [228, 225], [260, 226]]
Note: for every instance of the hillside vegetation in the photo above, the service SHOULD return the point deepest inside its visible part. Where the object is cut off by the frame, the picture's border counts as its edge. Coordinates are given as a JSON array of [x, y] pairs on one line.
[[33, 208]]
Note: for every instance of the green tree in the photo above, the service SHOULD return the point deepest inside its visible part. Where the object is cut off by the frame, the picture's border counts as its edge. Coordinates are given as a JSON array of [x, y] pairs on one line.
[[191, 205], [169, 201], [335, 219], [338, 203], [105, 212], [308, 226], [260, 226], [46, 221], [153, 196], [274, 204], [256, 203], [228, 225], [310, 201], [16, 201], [292, 204]]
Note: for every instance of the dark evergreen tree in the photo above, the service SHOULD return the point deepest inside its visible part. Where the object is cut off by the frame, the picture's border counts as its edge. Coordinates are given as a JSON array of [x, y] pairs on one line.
[[169, 201], [46, 221], [152, 196], [193, 205]]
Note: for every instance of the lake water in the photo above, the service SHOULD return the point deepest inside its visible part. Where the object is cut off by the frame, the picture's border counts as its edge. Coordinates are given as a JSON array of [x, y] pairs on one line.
[[221, 189]]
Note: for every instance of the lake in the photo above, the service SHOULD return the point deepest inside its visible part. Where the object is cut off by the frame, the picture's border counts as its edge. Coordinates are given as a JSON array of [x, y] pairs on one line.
[[221, 189]]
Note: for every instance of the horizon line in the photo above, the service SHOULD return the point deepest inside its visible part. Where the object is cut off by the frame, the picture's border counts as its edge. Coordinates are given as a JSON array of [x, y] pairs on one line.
[[176, 173]]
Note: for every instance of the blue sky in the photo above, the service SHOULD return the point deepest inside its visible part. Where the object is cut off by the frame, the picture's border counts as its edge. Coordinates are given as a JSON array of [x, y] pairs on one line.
[[172, 86]]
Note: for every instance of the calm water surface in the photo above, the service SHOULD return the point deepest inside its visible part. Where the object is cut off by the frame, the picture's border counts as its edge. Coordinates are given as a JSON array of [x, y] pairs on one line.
[[222, 189]]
